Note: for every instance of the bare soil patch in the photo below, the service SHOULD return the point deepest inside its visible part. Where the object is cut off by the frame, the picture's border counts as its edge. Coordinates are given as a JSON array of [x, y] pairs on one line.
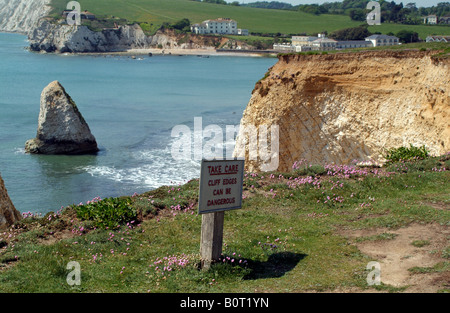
[[414, 246]]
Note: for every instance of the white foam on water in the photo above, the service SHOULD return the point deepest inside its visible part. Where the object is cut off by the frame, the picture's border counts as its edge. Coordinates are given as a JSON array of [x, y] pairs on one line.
[[19, 151], [157, 168], [105, 171]]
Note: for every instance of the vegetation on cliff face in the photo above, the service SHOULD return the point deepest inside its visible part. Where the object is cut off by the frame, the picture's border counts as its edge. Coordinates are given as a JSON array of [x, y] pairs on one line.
[[290, 236]]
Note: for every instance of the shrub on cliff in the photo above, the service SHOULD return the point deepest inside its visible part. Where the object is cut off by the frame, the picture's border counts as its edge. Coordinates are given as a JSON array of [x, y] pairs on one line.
[[107, 213], [404, 154]]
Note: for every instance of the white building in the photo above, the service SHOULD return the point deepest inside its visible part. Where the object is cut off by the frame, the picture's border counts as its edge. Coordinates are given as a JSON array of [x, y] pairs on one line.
[[303, 40], [242, 32], [225, 26], [383, 40], [430, 19], [324, 43], [286, 47], [348, 44], [307, 43]]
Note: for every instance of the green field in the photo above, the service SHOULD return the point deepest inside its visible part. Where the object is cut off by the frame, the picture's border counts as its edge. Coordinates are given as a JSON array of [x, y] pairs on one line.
[[422, 30], [254, 19]]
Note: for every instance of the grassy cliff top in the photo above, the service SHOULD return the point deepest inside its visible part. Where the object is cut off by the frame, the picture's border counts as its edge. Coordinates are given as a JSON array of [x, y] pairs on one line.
[[311, 229]]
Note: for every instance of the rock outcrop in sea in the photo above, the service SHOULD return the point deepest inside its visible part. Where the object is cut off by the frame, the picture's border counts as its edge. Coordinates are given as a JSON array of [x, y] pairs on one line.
[[8, 213], [61, 127], [336, 108]]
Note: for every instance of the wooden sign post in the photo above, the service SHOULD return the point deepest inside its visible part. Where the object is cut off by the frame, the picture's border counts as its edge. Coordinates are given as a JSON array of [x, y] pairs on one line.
[[220, 190]]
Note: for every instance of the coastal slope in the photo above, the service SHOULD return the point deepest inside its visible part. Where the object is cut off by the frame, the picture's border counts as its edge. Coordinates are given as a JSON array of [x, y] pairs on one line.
[[335, 108]]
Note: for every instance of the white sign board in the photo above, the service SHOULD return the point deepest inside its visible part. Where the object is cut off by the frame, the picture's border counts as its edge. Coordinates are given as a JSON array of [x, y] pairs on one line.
[[220, 185]]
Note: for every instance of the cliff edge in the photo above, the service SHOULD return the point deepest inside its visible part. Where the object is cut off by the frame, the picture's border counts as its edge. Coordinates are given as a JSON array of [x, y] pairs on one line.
[[8, 213], [339, 107]]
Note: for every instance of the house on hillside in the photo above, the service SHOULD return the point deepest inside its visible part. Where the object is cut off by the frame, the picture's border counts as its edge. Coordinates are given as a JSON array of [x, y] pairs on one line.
[[444, 20], [221, 26], [87, 15], [438, 39], [84, 15], [430, 19], [383, 40]]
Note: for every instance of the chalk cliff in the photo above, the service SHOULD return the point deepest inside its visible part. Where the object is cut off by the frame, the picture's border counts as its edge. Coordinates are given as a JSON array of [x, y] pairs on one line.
[[62, 38], [61, 127], [51, 37], [22, 16], [29, 17], [345, 106]]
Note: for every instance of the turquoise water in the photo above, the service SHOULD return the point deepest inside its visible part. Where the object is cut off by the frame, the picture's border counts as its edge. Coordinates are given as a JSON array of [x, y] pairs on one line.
[[131, 106]]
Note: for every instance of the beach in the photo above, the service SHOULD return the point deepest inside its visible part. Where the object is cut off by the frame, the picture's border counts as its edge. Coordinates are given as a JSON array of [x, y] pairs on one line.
[[201, 52]]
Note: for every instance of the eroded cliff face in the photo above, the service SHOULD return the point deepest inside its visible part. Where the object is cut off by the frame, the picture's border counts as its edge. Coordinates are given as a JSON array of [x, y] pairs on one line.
[[340, 107], [8, 213], [22, 16], [52, 37]]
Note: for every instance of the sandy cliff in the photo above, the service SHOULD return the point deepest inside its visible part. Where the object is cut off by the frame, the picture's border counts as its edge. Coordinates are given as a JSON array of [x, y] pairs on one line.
[[8, 213], [346, 106]]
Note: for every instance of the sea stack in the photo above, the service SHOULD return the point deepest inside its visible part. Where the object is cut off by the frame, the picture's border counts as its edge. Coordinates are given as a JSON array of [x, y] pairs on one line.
[[61, 127], [8, 213]]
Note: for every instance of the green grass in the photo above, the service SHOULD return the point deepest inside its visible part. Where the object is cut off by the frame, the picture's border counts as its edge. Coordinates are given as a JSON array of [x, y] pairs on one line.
[[155, 12], [284, 239], [422, 30], [441, 49], [256, 20]]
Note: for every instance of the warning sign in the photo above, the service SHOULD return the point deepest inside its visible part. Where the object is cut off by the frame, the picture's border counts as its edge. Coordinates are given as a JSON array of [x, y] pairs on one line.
[[220, 185]]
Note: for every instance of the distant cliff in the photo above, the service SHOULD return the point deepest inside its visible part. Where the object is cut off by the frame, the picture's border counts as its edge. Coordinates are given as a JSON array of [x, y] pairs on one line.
[[29, 17], [22, 16], [51, 37], [345, 106]]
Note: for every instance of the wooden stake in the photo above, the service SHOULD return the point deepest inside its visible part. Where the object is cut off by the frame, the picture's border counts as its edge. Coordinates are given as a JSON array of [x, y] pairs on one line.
[[211, 238]]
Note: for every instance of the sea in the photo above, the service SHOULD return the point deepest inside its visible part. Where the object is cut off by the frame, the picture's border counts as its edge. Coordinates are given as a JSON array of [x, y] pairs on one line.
[[132, 106]]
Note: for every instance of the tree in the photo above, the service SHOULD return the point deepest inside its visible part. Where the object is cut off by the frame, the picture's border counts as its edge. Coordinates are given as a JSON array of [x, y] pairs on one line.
[[408, 36], [353, 33], [357, 14], [181, 24]]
